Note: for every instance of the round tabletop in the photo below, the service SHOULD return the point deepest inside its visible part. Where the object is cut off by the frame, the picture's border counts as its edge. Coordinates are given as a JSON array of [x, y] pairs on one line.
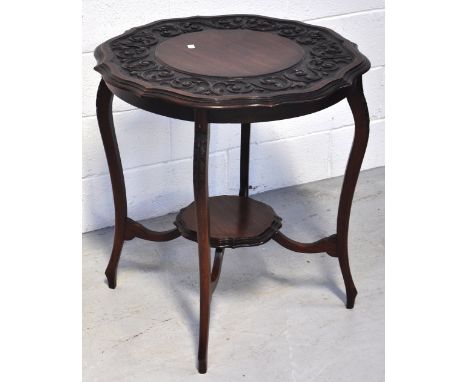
[[243, 68]]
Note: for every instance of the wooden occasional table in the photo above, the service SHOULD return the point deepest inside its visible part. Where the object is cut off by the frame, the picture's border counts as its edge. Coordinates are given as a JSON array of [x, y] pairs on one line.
[[230, 69]]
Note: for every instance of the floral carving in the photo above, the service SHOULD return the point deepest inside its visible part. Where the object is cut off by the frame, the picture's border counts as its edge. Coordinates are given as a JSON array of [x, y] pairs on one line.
[[325, 54]]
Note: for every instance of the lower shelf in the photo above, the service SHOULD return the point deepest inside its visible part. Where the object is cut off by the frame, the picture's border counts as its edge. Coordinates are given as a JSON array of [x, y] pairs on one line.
[[235, 221]]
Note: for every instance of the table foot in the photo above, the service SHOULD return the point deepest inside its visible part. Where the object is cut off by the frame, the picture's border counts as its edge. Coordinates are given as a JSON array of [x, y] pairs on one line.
[[202, 366], [111, 279], [111, 270], [351, 291]]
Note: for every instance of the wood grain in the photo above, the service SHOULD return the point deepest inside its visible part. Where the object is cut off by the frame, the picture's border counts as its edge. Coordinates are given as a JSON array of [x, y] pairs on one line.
[[235, 221], [229, 53], [315, 67]]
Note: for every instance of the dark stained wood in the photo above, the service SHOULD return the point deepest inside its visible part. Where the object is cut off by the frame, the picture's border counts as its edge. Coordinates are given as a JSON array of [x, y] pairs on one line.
[[231, 113], [229, 53], [202, 214], [227, 78], [106, 127], [135, 229], [327, 244], [337, 245], [130, 65], [244, 160], [125, 228], [234, 222], [358, 105], [217, 265]]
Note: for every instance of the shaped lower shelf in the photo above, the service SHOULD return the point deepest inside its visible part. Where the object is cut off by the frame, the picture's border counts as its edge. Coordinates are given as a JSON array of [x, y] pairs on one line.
[[235, 221]]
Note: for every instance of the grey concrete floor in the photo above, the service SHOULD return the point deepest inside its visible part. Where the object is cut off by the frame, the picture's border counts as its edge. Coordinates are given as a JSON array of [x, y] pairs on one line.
[[276, 315]]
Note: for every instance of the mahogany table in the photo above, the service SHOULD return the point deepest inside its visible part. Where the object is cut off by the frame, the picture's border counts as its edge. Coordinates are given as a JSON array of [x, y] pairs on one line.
[[230, 69]]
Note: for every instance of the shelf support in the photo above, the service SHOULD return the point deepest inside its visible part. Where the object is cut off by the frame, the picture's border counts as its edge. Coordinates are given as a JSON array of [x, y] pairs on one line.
[[134, 229], [216, 271], [327, 244]]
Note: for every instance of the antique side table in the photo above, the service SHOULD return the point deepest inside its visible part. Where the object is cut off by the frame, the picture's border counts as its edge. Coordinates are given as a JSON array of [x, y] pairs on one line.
[[230, 69]]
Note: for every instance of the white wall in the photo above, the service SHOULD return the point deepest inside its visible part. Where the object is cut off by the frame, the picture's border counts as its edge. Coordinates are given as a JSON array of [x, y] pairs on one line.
[[156, 151]]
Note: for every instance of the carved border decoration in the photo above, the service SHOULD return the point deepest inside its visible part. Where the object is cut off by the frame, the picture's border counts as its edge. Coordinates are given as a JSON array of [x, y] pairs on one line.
[[131, 58]]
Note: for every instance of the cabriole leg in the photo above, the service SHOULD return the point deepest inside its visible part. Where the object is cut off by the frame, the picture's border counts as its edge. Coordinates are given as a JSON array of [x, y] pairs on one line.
[[358, 105], [111, 148], [200, 186]]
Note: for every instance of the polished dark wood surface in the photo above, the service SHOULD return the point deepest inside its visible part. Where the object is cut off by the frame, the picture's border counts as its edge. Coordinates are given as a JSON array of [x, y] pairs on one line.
[[235, 221], [358, 105], [130, 65], [241, 91], [229, 53], [216, 271], [106, 127], [125, 228], [244, 160], [200, 191], [327, 244]]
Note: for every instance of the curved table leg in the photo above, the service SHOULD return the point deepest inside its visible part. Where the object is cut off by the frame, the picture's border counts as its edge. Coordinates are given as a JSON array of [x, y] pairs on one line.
[[200, 186], [358, 105], [106, 127], [216, 272], [244, 160]]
